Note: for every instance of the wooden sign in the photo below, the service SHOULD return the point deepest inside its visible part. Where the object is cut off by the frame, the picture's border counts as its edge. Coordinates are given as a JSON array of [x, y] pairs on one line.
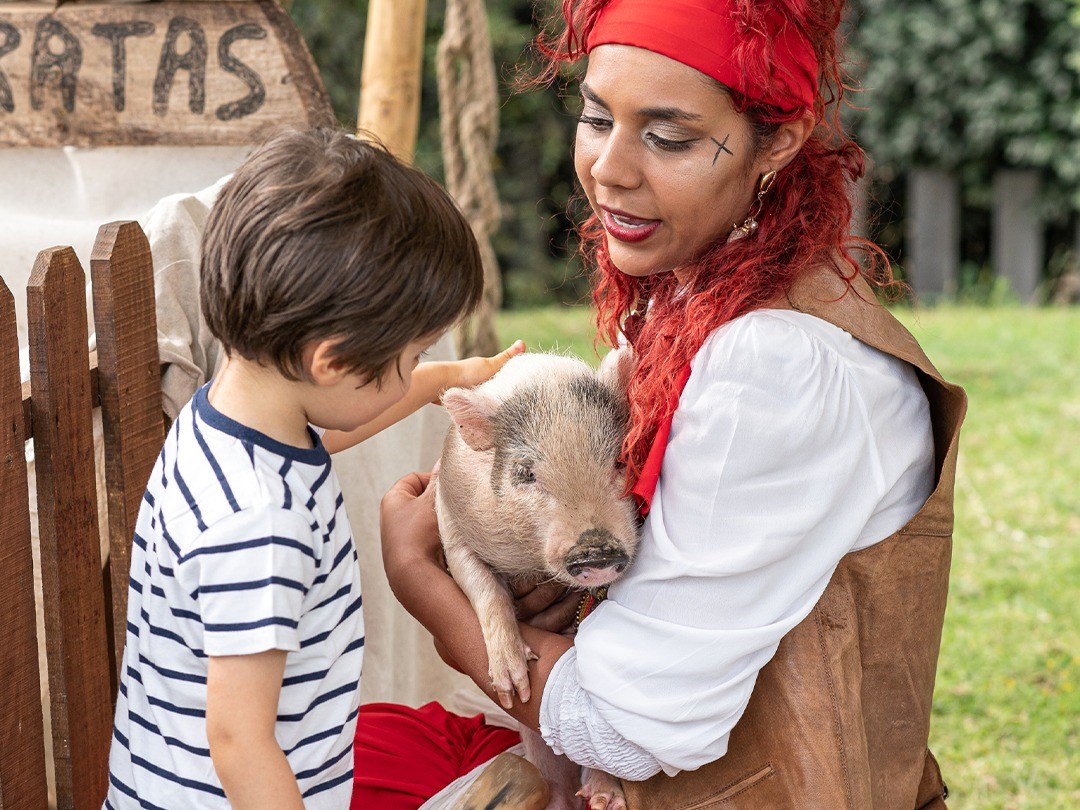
[[187, 73]]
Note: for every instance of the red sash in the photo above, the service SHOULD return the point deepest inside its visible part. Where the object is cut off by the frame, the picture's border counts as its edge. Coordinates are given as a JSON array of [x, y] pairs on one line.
[[650, 472]]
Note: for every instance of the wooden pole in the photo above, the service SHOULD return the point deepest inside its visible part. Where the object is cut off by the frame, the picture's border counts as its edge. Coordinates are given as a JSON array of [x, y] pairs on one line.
[[390, 78]]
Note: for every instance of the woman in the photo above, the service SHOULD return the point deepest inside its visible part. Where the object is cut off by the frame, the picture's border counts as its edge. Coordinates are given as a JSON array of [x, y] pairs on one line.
[[775, 643]]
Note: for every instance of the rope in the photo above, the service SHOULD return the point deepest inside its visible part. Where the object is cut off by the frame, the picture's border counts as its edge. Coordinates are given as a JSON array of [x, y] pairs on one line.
[[469, 126]]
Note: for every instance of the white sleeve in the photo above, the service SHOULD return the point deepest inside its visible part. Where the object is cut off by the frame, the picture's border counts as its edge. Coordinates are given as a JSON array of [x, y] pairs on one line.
[[771, 473], [250, 573]]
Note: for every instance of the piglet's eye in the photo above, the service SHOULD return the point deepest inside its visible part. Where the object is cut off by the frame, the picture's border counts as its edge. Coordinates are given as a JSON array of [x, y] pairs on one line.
[[523, 474]]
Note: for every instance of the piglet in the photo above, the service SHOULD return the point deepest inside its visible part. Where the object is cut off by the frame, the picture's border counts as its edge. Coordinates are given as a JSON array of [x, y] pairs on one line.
[[530, 488]]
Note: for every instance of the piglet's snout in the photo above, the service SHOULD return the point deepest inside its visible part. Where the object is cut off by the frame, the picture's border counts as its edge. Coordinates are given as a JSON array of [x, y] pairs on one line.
[[597, 558]]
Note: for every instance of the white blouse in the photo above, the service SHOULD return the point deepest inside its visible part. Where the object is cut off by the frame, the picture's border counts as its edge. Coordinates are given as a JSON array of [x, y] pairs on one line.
[[793, 444]]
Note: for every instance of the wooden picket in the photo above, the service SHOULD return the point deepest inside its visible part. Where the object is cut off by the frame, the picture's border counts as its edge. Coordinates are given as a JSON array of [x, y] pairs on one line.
[[22, 750], [129, 376], [73, 599], [83, 603]]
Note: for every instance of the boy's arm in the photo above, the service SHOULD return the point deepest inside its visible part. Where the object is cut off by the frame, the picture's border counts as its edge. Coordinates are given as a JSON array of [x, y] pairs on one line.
[[242, 694], [429, 381]]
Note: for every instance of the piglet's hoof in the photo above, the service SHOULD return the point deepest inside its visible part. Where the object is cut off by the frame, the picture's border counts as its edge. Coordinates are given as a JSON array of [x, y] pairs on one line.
[[603, 791], [507, 783]]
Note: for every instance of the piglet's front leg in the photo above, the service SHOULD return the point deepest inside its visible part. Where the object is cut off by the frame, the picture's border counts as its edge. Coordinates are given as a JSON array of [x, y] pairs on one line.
[[508, 654], [602, 791]]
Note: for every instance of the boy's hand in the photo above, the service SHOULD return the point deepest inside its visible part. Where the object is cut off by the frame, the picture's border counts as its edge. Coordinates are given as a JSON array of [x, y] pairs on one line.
[[429, 381], [475, 370]]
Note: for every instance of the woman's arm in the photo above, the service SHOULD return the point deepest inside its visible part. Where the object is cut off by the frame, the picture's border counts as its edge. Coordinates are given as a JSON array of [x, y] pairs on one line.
[[429, 381], [414, 567], [413, 561]]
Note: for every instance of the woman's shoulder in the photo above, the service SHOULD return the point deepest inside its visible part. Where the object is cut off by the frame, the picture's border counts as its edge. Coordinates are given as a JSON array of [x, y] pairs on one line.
[[768, 332], [764, 330], [797, 352], [766, 341]]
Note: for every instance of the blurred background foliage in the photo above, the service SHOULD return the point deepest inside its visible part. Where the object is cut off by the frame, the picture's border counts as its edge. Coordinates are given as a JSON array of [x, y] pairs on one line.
[[533, 166], [970, 86]]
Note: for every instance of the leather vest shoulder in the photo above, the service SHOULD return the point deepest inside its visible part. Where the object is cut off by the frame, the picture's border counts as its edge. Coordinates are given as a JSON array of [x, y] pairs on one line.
[[840, 717]]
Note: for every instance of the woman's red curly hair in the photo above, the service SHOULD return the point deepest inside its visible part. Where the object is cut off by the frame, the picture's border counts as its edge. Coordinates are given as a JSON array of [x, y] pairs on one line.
[[804, 224]]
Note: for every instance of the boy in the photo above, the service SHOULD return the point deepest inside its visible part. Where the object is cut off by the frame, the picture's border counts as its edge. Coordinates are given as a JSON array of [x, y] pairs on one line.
[[328, 267]]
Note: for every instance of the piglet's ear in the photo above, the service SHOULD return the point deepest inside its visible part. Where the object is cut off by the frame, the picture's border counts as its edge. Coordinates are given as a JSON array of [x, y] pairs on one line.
[[472, 411], [616, 368]]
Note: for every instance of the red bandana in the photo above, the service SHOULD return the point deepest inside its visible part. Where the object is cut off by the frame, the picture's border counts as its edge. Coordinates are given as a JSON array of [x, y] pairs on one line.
[[706, 35]]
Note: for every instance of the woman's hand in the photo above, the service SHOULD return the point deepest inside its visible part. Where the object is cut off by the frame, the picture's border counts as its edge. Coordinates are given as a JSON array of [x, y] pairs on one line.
[[410, 530], [547, 606], [412, 556]]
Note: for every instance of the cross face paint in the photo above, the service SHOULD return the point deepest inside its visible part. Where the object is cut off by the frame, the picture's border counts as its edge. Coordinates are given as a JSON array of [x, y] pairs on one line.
[[721, 147], [663, 158]]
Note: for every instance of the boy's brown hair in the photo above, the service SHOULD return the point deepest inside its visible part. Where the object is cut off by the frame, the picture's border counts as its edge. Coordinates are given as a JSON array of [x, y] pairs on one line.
[[320, 235]]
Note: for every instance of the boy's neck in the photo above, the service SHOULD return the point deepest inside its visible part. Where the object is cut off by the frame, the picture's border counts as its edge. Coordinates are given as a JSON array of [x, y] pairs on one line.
[[260, 398]]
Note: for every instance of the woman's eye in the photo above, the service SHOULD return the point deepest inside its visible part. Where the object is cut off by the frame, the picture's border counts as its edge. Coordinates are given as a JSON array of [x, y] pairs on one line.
[[523, 474], [669, 145], [599, 124]]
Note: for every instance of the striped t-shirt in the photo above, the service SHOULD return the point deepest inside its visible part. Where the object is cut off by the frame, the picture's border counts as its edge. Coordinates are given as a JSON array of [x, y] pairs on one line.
[[242, 545]]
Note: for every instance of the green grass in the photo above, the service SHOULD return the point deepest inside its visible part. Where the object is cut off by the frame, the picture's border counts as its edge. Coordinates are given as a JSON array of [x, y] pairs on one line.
[[1006, 724], [562, 329]]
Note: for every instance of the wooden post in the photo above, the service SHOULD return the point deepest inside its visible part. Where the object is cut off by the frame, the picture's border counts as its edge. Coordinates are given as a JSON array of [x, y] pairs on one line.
[[932, 232], [74, 605], [1017, 250], [390, 78], [129, 375], [22, 741]]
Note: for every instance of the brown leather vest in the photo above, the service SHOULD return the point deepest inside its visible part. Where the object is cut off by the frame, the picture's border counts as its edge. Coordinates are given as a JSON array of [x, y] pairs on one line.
[[841, 715]]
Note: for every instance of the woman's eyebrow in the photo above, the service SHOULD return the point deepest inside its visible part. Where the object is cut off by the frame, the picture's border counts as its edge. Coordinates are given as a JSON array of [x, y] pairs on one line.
[[663, 113], [589, 95]]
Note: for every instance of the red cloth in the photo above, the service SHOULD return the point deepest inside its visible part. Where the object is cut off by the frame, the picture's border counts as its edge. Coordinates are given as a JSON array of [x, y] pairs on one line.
[[707, 36], [645, 485], [404, 756]]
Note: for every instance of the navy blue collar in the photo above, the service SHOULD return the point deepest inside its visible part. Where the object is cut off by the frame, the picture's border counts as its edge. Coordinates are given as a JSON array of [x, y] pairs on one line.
[[316, 454]]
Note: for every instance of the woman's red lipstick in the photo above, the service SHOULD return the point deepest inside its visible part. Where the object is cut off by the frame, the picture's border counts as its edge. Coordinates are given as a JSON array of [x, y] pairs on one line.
[[627, 228]]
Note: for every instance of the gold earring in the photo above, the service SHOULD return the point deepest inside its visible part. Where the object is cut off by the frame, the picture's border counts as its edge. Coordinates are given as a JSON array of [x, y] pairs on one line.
[[635, 320], [750, 223]]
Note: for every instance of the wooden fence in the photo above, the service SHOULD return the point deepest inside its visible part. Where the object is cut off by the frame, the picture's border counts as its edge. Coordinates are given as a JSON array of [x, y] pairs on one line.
[[84, 602]]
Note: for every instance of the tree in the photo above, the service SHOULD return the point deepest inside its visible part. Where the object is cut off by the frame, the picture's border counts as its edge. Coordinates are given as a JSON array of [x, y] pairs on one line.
[[974, 86]]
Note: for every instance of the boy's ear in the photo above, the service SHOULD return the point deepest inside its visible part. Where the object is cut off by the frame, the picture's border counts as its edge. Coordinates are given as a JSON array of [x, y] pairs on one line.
[[320, 363], [472, 410]]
